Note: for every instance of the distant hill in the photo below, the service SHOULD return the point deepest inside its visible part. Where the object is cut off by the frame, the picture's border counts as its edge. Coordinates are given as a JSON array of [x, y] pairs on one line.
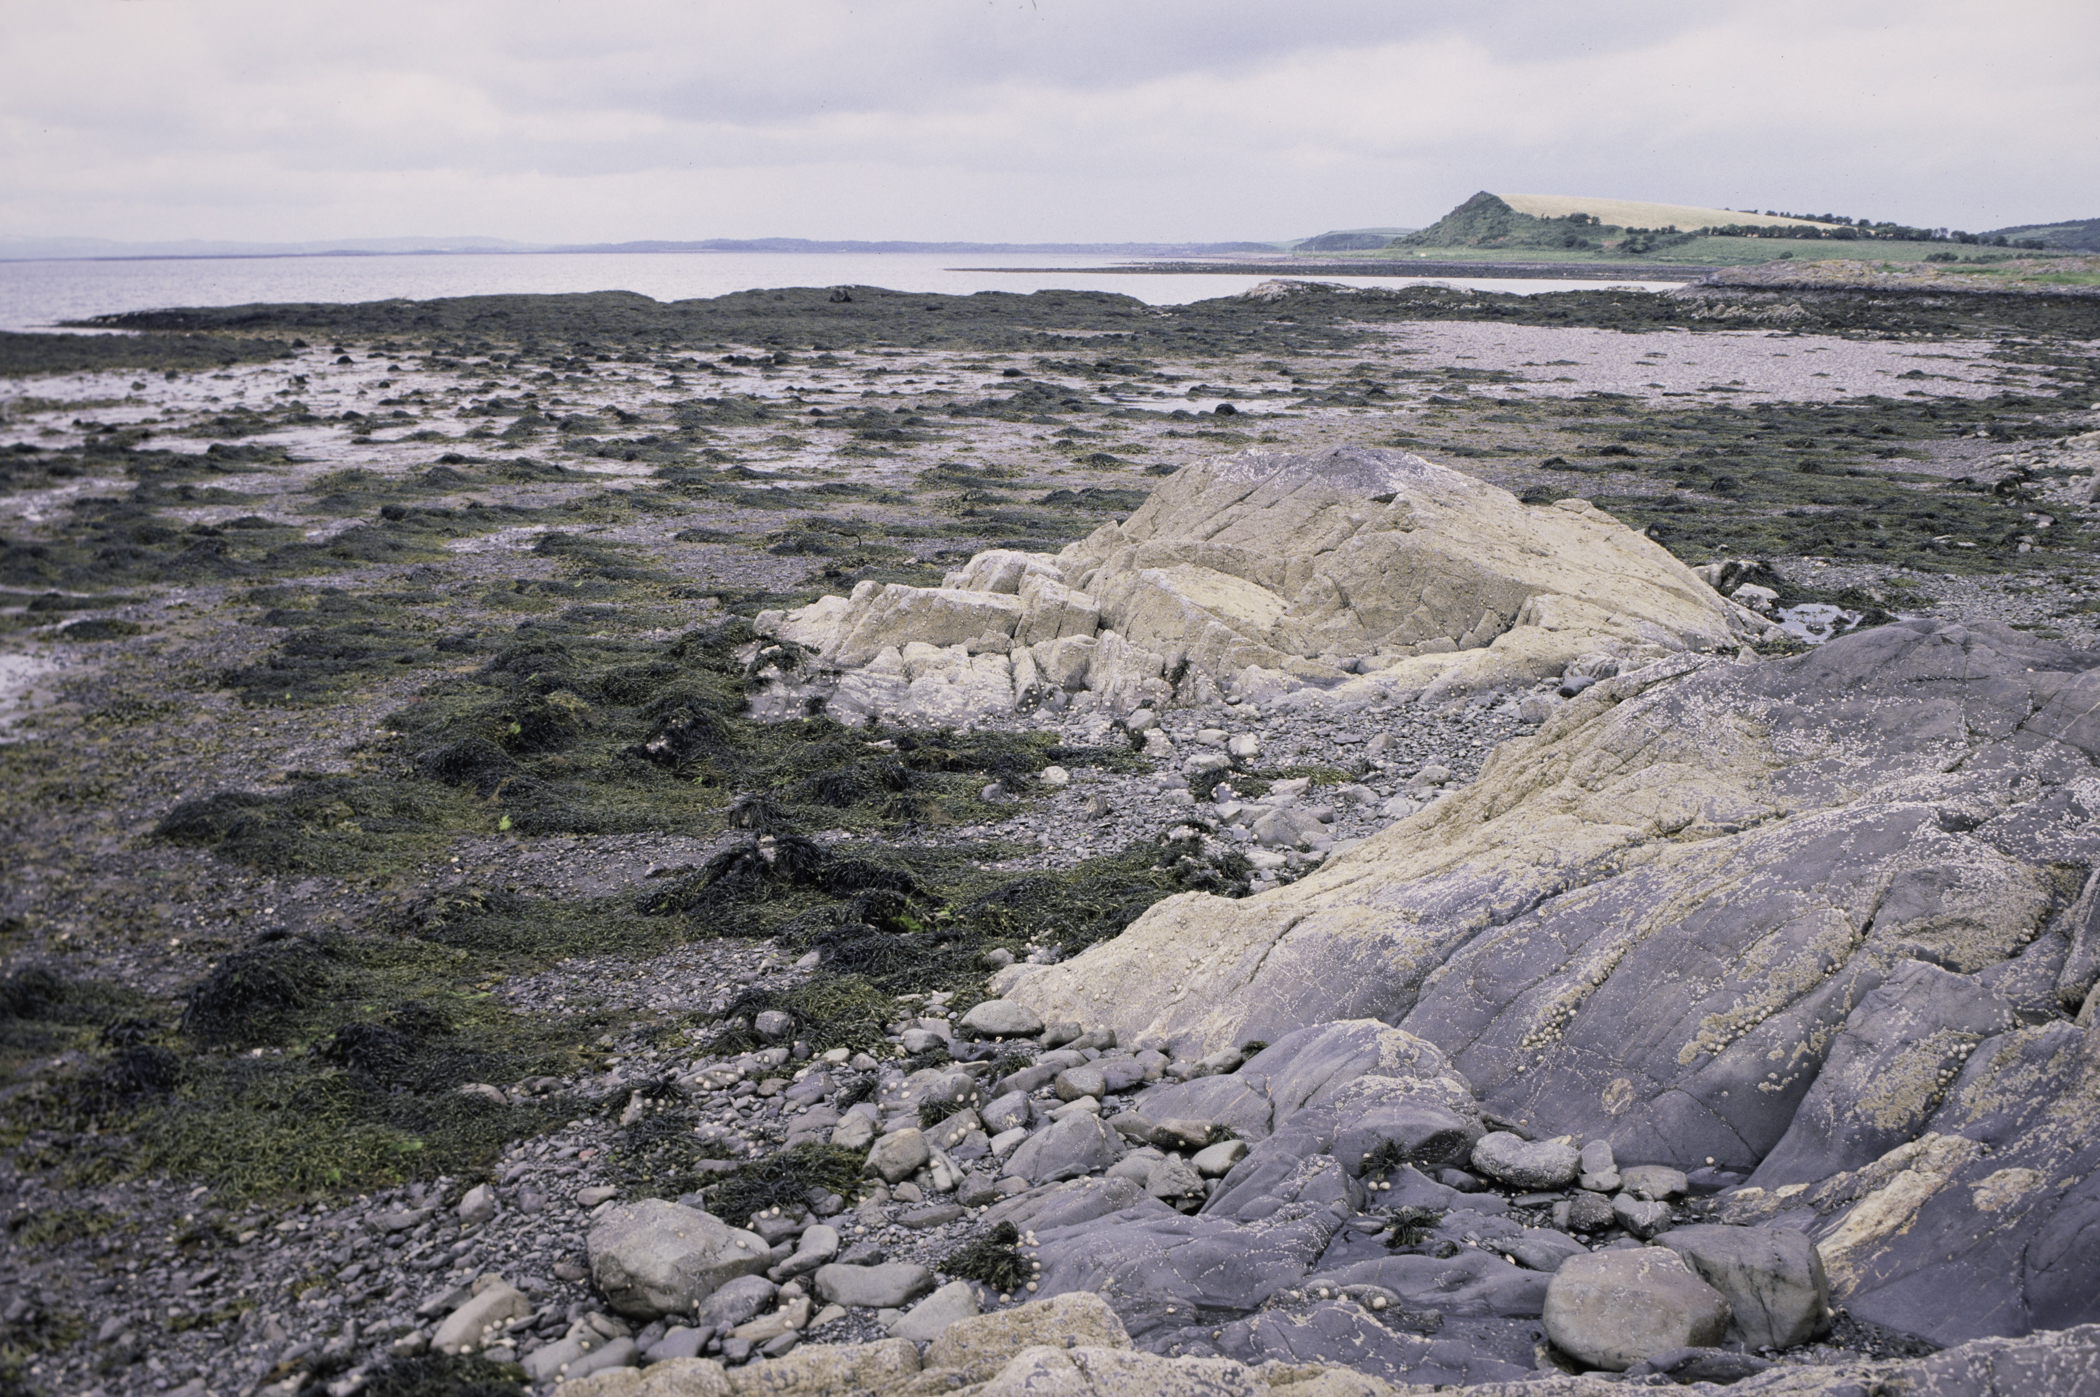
[[1567, 221], [2082, 235], [1350, 240]]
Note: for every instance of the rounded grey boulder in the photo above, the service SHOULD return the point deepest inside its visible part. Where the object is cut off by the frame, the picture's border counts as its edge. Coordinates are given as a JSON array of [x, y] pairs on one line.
[[656, 1258], [1524, 1163], [1002, 1018], [899, 1154], [887, 1286], [1612, 1309], [1075, 1082]]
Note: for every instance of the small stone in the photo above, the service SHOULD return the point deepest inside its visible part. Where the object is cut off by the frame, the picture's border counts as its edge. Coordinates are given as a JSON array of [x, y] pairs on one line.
[[478, 1205], [1656, 1181], [1173, 1178], [592, 1197], [736, 1302], [467, 1328], [1641, 1217], [1076, 1082], [773, 1024], [1597, 1158], [1054, 776], [1216, 1161], [1589, 1212], [1006, 1112], [898, 1155], [932, 1215], [921, 1040], [1181, 1134]]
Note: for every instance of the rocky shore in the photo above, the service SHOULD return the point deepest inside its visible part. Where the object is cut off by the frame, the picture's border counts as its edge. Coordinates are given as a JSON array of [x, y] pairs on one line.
[[1318, 844]]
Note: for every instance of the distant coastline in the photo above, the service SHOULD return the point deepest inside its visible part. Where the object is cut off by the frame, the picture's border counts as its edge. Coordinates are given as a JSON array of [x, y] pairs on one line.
[[99, 250]]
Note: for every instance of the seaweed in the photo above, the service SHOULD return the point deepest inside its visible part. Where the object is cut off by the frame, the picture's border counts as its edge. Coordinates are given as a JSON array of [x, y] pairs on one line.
[[993, 1258], [787, 1178], [253, 996], [444, 1375]]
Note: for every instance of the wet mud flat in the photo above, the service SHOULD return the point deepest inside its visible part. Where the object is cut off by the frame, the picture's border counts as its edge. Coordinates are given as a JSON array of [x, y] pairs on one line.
[[374, 729]]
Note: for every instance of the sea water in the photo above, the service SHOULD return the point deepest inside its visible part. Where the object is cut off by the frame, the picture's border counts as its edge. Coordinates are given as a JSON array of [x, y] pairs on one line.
[[41, 294]]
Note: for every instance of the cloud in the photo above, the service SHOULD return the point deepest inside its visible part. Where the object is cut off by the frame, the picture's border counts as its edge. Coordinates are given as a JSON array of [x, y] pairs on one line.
[[1065, 119]]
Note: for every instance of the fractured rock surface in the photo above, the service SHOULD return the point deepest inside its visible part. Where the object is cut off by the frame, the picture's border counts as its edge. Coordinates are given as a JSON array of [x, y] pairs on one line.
[[1807, 917], [1367, 572]]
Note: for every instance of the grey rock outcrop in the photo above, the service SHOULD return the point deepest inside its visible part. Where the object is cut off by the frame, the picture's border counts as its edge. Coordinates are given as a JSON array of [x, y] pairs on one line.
[[1349, 574], [1807, 916]]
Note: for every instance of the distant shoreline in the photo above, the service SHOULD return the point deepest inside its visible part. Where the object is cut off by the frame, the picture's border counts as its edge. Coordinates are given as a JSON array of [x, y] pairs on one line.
[[1554, 271]]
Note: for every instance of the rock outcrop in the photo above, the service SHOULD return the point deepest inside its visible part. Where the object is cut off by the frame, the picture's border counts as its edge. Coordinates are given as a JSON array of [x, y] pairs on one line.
[[2063, 1362], [1348, 574], [1811, 918]]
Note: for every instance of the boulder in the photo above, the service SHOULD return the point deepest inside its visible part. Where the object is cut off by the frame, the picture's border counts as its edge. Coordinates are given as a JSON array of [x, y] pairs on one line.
[[884, 1286], [469, 1328], [1526, 1164], [1772, 1279], [1613, 1309], [1274, 576], [1002, 1018], [656, 1258], [899, 1155]]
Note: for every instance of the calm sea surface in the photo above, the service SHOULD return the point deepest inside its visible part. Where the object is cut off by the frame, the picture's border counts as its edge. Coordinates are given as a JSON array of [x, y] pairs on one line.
[[38, 295]]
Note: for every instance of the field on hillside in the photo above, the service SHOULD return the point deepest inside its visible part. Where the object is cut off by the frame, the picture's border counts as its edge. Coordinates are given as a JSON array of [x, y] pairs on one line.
[[1638, 213]]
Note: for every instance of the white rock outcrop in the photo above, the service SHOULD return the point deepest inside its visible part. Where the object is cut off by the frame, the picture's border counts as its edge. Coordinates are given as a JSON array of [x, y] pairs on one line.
[[1345, 576]]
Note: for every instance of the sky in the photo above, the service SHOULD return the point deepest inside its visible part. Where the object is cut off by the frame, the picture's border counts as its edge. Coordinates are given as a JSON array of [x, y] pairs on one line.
[[1023, 120]]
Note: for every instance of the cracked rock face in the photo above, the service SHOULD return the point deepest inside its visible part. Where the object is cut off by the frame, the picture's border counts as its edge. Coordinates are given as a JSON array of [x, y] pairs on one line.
[[1365, 572], [1809, 917]]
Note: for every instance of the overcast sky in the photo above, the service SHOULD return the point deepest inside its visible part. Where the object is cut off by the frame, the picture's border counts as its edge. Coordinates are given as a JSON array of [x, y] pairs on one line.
[[1038, 120]]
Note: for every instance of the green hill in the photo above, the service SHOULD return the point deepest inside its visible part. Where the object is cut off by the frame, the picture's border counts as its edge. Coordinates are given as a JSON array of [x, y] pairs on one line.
[[2081, 235], [1350, 240]]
